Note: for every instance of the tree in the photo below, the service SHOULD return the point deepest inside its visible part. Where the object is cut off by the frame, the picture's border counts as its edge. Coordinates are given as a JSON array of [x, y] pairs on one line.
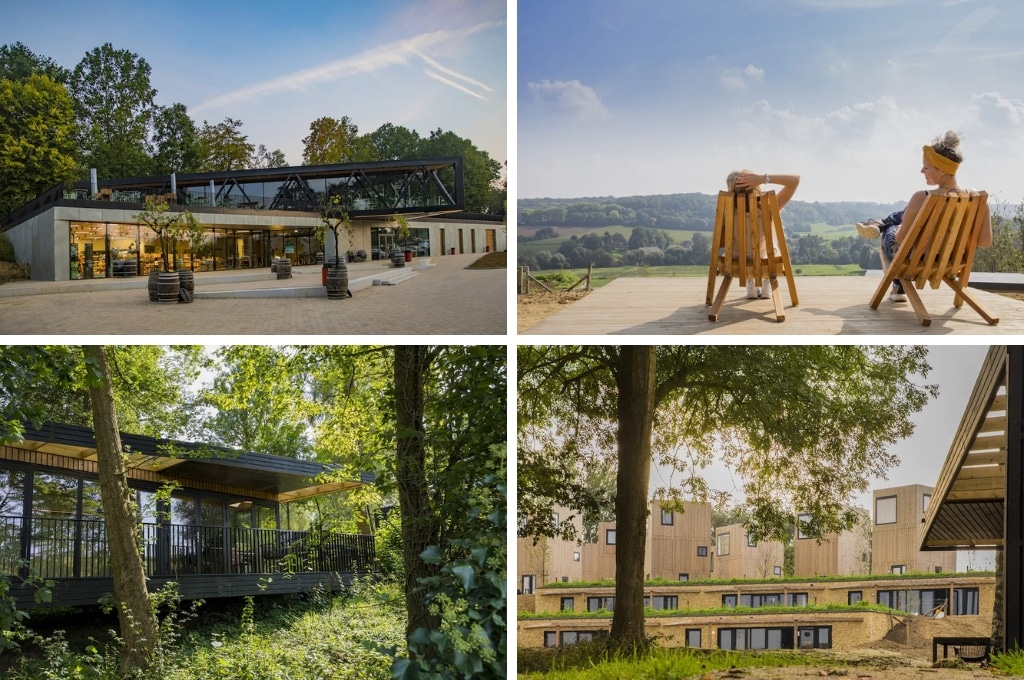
[[1006, 254], [393, 142], [329, 141], [826, 432], [224, 147], [480, 171], [37, 139], [166, 225], [114, 107], [268, 159], [121, 520], [175, 141], [18, 63]]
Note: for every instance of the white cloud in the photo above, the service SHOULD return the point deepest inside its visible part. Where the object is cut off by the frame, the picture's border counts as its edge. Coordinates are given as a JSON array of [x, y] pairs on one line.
[[1001, 113], [368, 61], [739, 78], [571, 96]]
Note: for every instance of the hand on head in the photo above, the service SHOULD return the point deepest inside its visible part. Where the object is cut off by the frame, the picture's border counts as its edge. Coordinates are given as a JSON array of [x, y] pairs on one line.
[[748, 180]]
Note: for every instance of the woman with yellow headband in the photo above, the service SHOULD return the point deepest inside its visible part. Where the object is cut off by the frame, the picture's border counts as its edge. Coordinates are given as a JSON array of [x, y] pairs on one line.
[[746, 180], [942, 158]]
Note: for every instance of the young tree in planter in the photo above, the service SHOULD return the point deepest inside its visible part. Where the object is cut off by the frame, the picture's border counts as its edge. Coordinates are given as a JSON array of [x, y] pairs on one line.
[[191, 230], [164, 223], [334, 217]]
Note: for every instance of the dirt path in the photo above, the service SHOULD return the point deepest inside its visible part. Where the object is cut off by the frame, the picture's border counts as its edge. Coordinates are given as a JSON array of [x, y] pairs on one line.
[[538, 305]]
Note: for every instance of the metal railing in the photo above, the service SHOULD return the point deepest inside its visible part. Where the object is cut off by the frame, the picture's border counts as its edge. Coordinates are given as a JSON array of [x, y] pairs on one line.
[[72, 548]]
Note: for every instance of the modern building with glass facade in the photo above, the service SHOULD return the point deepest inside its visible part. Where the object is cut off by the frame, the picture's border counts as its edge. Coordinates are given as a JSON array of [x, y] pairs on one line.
[[89, 230]]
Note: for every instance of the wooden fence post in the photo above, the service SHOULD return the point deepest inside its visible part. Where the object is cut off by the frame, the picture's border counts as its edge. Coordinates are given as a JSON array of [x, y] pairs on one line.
[[526, 279], [519, 280], [590, 272]]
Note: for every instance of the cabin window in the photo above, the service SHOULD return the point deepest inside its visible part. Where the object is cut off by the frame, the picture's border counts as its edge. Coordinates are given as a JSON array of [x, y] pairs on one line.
[[885, 510], [12, 510], [723, 545], [529, 584], [567, 604], [693, 637], [667, 517], [854, 596], [802, 520], [965, 601], [54, 511], [702, 551], [815, 637], [609, 536], [925, 499]]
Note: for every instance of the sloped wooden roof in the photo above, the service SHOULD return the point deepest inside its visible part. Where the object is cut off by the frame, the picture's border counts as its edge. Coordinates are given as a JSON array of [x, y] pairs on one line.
[[287, 479], [967, 507]]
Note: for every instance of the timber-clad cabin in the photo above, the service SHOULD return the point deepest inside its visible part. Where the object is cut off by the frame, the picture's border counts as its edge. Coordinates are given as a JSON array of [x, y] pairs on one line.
[[227, 530]]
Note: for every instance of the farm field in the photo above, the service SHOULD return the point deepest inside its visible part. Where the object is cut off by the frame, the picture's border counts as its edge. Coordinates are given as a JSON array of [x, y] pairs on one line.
[[829, 232]]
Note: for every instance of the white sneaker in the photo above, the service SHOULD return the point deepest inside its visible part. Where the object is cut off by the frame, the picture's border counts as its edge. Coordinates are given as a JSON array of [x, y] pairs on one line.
[[766, 289], [752, 292], [868, 229], [897, 295]]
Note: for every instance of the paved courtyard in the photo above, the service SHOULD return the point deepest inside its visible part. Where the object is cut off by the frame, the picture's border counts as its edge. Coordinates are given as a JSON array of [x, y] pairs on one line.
[[446, 300]]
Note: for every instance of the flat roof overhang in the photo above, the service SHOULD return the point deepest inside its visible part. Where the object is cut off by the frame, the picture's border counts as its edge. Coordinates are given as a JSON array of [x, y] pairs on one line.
[[287, 479], [969, 501]]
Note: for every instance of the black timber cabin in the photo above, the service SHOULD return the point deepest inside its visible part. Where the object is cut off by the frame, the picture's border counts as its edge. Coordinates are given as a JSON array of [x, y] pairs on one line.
[[226, 531]]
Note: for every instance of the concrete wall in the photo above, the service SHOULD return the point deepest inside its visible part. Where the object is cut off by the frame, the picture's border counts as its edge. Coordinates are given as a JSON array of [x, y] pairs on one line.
[[474, 235], [43, 246]]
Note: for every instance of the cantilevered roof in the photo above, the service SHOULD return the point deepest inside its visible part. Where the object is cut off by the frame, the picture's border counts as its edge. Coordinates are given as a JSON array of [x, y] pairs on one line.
[[288, 479], [966, 509]]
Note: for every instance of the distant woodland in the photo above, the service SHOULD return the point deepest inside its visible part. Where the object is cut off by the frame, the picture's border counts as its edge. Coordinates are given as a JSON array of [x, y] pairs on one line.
[[680, 211]]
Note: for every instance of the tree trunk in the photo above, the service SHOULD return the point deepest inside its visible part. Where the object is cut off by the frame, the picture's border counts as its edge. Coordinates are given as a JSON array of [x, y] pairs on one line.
[[636, 380], [120, 514], [419, 529]]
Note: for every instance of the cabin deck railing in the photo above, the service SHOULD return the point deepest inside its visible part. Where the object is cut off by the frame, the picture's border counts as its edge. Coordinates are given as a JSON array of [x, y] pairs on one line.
[[77, 548]]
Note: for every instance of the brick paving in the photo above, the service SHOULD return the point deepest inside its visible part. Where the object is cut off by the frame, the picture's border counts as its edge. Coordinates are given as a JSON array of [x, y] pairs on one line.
[[445, 300]]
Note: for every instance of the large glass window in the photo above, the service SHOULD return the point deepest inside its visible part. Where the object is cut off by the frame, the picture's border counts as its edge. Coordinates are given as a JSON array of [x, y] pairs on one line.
[[724, 545], [965, 601], [567, 604], [54, 507], [815, 637], [12, 498], [596, 603], [693, 637], [88, 250]]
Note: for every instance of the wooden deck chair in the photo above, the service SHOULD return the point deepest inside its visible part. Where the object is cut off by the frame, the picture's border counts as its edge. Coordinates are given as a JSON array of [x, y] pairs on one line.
[[939, 246], [742, 222]]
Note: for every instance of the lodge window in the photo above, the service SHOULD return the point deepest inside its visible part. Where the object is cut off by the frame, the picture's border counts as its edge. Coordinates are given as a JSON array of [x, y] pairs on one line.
[[529, 584], [693, 637], [567, 604], [729, 600], [854, 596], [597, 603], [684, 577], [914, 601], [898, 569], [796, 600], [965, 601], [751, 541], [925, 500], [576, 556], [574, 637], [815, 637], [609, 536], [702, 551], [777, 570], [755, 638], [802, 520], [554, 520], [885, 510], [667, 517], [662, 602], [724, 546], [550, 638], [762, 600]]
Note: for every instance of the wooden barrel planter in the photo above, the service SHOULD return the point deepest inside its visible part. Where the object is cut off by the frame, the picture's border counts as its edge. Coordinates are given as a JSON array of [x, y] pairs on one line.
[[153, 277], [397, 258], [273, 266], [284, 269], [337, 282], [187, 281], [167, 287]]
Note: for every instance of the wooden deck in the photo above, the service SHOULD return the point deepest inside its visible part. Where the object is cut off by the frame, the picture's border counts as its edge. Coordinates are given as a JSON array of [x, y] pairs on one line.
[[829, 305]]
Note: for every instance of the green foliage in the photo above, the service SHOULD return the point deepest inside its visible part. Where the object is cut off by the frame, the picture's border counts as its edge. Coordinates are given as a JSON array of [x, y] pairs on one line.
[[175, 141], [480, 171], [6, 249], [18, 62], [329, 141], [12, 618], [1010, 663], [603, 660], [469, 595], [224, 147], [837, 430], [713, 611], [114, 107], [388, 546], [37, 139], [1006, 254]]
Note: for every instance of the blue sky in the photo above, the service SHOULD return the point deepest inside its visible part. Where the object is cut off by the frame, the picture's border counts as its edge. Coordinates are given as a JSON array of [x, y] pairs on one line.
[[627, 97], [278, 66]]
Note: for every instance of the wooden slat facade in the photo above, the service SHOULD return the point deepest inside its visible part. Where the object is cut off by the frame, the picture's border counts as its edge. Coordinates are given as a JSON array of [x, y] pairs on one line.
[[897, 544], [672, 548], [746, 561]]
